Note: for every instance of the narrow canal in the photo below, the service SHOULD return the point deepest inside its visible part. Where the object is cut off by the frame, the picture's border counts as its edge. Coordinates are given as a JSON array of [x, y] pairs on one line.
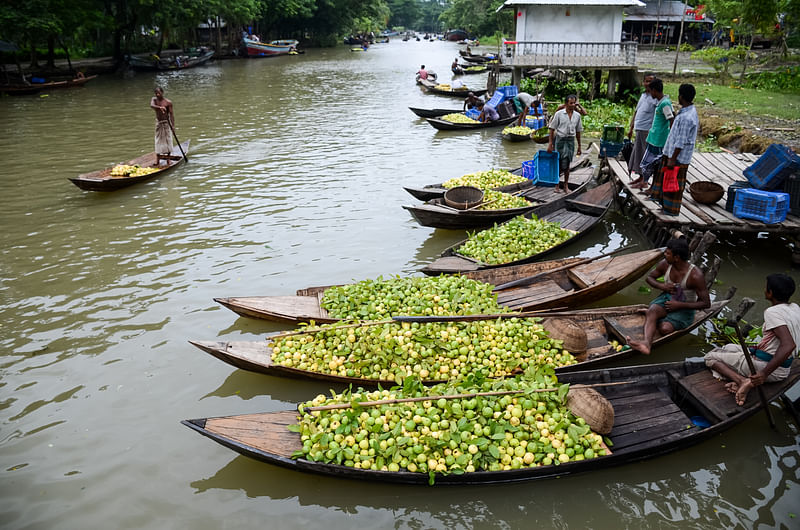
[[294, 179]]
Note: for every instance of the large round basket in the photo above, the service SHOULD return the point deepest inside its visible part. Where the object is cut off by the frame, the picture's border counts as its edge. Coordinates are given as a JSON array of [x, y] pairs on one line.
[[541, 139], [590, 405], [568, 331], [463, 197], [706, 192], [511, 137]]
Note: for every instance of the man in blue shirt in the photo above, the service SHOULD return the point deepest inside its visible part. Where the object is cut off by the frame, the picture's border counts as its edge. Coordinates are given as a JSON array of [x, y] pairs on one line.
[[679, 147]]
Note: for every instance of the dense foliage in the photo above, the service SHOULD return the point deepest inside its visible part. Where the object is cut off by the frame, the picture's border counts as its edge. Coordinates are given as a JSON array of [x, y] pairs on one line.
[[100, 27], [783, 80]]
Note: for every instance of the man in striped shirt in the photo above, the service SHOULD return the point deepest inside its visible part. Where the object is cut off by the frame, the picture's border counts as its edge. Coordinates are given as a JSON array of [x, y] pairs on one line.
[[679, 147]]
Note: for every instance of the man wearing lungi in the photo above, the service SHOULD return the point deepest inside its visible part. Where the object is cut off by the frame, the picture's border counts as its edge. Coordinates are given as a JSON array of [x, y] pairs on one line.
[[679, 147], [641, 122], [565, 132], [164, 118], [657, 137]]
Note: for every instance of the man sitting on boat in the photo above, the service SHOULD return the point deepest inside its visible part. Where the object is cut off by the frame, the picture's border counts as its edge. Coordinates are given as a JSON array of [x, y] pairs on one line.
[[472, 101], [422, 73], [772, 357], [165, 121], [684, 292], [455, 68]]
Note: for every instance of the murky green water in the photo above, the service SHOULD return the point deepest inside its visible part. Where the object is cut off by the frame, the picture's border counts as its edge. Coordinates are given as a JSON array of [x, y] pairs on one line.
[[294, 179]]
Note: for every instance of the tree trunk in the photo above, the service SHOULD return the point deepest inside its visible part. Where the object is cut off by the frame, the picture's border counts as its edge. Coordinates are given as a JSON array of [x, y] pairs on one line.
[[34, 56], [66, 53], [117, 47], [51, 51], [160, 42], [219, 37], [680, 40]]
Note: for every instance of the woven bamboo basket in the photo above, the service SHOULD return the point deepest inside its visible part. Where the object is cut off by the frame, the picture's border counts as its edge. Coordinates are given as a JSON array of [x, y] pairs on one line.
[[569, 331], [590, 405], [463, 197], [706, 192]]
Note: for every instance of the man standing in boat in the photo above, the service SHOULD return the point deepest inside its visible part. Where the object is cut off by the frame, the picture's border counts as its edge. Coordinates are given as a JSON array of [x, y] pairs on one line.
[[772, 357], [165, 121], [684, 292]]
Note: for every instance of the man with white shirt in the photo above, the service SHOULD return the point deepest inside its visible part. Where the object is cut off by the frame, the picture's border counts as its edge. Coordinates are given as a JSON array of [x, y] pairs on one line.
[[565, 133], [641, 122]]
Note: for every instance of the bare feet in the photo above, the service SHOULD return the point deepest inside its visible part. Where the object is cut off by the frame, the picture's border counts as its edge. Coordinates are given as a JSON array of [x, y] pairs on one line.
[[638, 345], [732, 387], [638, 185], [741, 394]]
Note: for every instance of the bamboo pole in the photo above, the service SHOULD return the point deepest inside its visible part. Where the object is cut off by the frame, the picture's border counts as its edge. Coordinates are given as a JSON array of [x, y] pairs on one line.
[[337, 406]]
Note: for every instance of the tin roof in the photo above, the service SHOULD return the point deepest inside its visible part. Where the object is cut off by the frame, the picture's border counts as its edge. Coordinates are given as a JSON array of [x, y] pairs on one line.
[[622, 3], [664, 11]]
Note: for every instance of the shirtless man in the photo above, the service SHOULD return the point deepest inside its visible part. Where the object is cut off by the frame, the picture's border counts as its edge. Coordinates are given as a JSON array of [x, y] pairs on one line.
[[164, 117], [685, 292]]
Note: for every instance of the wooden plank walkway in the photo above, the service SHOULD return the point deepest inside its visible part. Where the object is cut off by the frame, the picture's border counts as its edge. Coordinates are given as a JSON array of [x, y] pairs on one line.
[[722, 168]]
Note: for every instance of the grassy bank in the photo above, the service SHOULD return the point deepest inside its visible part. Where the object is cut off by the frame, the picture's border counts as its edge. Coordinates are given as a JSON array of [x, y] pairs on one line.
[[745, 101]]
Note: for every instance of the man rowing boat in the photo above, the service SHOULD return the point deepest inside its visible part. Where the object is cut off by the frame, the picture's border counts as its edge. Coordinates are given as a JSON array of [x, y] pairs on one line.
[[165, 122]]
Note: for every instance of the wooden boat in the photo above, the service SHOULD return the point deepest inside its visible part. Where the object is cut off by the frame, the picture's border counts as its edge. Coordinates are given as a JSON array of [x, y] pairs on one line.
[[174, 62], [444, 125], [254, 48], [102, 180], [460, 93], [436, 214], [511, 137], [659, 410], [602, 325], [35, 88], [569, 282], [579, 214], [472, 69], [436, 191], [433, 113]]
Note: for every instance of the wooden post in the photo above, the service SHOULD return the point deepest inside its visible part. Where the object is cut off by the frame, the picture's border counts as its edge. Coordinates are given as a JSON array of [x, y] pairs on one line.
[[680, 38]]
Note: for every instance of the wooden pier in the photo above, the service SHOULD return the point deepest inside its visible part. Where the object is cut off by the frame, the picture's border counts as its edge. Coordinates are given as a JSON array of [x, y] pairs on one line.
[[722, 168]]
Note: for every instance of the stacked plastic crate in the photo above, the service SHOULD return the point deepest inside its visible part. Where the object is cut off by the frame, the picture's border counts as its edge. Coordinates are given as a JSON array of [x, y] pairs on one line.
[[775, 169]]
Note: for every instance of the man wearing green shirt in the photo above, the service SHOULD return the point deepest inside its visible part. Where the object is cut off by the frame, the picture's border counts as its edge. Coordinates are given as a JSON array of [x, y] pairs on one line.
[[657, 137]]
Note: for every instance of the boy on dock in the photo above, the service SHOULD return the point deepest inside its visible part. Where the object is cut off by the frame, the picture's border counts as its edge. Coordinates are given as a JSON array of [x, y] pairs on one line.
[[679, 148], [565, 134], [684, 292], [772, 357]]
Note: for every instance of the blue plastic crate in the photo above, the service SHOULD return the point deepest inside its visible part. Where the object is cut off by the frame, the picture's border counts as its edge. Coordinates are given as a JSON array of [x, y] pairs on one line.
[[765, 206], [772, 168], [534, 122], [732, 189], [472, 113], [509, 91], [545, 168], [497, 98], [613, 134], [610, 149]]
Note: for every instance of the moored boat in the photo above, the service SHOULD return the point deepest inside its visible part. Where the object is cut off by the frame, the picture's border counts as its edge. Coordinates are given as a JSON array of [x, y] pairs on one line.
[[255, 48], [172, 62], [436, 191], [444, 125], [658, 409], [103, 180], [578, 215], [606, 330], [433, 113], [436, 213], [569, 282], [459, 93], [35, 88]]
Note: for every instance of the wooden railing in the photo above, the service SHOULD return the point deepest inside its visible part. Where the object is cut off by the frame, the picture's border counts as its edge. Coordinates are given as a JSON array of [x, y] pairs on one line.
[[570, 54]]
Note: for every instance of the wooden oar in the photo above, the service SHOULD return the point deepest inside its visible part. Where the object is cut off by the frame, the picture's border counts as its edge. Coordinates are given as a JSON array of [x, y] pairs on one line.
[[473, 318], [337, 406], [310, 331], [748, 302], [532, 279], [176, 139]]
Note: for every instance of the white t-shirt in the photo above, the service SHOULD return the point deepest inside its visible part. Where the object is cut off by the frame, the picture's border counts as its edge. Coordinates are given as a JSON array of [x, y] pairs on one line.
[[780, 315], [526, 99]]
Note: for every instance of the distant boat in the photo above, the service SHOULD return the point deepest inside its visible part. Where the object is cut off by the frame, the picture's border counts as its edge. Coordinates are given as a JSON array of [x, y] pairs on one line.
[[174, 62], [256, 48], [35, 88], [455, 35]]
